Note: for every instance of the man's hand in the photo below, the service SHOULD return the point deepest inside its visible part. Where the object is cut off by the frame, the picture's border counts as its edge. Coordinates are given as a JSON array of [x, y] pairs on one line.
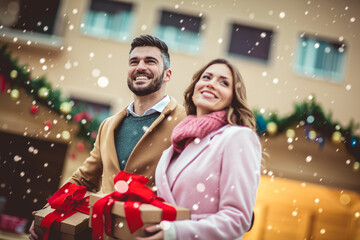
[[33, 235]]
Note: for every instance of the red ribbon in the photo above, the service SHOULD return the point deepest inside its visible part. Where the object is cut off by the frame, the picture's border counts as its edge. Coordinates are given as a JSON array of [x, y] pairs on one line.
[[2, 83], [134, 194], [68, 200]]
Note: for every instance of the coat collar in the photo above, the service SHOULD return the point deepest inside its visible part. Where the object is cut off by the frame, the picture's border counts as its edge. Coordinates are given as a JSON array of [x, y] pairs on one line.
[[117, 119], [167, 110], [188, 155]]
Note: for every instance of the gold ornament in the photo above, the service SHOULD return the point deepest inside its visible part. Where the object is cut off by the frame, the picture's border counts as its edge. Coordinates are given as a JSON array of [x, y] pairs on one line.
[[356, 166], [271, 128], [336, 137], [65, 135], [312, 135], [43, 92], [14, 74], [345, 199], [14, 94], [290, 133], [65, 108]]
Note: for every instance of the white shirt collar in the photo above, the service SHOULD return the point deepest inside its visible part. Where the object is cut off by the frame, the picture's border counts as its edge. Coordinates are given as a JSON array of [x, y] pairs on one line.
[[158, 107]]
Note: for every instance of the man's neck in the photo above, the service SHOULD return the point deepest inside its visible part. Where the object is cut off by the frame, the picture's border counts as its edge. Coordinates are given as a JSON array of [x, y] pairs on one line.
[[143, 103]]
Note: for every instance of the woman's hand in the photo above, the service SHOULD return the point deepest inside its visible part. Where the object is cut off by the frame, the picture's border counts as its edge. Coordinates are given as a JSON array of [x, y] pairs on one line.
[[153, 229]]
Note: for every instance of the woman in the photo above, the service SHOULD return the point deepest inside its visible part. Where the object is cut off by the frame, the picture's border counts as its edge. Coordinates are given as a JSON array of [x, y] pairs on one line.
[[213, 165]]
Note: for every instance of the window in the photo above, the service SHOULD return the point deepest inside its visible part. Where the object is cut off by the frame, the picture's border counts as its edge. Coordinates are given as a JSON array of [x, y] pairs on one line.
[[24, 158], [30, 15], [251, 42], [32, 22], [181, 32], [109, 19], [320, 58]]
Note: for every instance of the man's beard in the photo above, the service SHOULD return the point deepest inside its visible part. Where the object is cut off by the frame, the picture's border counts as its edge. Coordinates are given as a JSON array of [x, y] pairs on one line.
[[154, 85]]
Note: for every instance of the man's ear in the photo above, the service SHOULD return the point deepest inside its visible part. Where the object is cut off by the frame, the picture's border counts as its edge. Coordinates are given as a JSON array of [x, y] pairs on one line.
[[167, 75]]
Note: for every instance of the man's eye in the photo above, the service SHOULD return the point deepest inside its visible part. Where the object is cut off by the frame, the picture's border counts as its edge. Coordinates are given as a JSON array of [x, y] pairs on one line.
[[133, 62]]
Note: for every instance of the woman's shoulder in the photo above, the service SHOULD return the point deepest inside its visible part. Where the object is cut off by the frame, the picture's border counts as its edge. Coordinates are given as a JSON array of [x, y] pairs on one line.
[[235, 133], [239, 136], [234, 129]]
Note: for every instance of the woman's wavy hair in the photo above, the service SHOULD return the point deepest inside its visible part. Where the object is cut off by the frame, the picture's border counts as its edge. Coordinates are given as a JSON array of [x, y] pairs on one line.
[[238, 113]]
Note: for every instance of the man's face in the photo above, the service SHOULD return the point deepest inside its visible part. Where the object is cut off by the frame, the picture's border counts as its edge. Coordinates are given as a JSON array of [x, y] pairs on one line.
[[146, 70]]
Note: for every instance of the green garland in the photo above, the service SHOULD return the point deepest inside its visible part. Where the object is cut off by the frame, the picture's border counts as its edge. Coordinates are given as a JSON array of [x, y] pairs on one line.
[[41, 90], [307, 113], [310, 115]]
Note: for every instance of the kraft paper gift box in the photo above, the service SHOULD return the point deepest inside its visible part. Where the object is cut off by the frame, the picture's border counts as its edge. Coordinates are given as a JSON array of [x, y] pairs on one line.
[[74, 227], [150, 215]]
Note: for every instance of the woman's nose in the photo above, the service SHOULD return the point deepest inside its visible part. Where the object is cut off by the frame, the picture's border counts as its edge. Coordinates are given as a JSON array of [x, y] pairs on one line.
[[210, 83]]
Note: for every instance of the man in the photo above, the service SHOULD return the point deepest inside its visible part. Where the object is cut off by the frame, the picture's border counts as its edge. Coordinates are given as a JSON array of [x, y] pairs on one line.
[[134, 139]]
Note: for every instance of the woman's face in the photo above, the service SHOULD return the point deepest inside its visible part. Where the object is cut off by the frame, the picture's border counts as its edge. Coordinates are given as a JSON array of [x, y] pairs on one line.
[[214, 90]]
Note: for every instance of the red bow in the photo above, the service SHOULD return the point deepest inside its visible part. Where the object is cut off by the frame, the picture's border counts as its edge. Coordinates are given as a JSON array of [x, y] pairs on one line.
[[131, 189], [68, 200]]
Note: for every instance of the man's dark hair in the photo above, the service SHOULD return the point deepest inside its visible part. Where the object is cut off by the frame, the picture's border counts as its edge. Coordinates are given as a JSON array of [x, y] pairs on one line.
[[151, 41]]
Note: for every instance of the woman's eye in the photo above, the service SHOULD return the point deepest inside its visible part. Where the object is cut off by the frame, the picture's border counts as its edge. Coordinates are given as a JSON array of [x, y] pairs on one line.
[[206, 77], [225, 83]]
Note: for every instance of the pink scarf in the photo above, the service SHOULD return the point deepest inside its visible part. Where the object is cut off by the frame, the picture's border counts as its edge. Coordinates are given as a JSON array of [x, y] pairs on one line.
[[192, 127]]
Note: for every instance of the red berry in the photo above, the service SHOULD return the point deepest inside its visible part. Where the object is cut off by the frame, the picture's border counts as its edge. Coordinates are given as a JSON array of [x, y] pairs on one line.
[[34, 109]]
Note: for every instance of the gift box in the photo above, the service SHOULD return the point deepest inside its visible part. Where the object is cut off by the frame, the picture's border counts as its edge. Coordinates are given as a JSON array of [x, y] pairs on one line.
[[71, 228], [150, 216], [67, 216]]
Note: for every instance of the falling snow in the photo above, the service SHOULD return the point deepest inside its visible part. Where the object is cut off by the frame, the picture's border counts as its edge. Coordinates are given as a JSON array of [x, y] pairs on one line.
[[266, 78]]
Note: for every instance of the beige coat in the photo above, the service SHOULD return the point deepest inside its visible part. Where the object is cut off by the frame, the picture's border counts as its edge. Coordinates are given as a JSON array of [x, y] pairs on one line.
[[99, 170]]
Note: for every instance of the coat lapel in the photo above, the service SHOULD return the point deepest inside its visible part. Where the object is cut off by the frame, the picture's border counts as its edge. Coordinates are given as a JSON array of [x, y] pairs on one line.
[[190, 153], [167, 110], [187, 156], [164, 185]]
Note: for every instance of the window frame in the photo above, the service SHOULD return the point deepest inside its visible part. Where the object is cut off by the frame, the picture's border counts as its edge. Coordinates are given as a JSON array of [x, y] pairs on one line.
[[179, 48], [337, 77], [110, 34], [52, 42]]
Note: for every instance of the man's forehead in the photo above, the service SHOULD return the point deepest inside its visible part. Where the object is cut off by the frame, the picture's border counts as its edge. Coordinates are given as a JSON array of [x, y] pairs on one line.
[[145, 52]]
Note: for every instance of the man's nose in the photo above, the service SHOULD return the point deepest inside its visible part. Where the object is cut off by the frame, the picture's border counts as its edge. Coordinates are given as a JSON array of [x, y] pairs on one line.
[[141, 66]]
